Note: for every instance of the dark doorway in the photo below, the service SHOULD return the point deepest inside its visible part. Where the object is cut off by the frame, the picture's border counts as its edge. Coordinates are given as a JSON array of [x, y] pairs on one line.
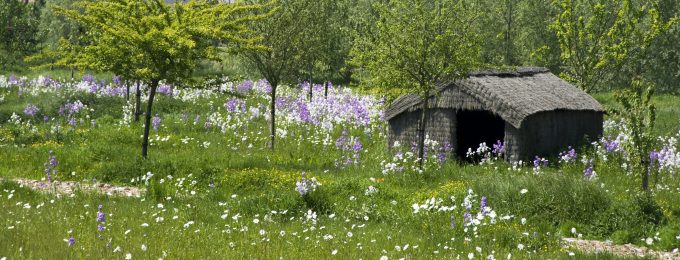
[[476, 127]]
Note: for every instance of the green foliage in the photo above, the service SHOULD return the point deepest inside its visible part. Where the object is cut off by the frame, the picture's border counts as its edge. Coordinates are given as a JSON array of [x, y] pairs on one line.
[[152, 41], [639, 113], [418, 44], [597, 40], [18, 31]]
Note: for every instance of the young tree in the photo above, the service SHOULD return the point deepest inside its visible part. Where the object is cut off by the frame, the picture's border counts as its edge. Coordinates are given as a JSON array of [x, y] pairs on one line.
[[419, 44], [639, 113], [153, 42], [281, 35], [597, 40]]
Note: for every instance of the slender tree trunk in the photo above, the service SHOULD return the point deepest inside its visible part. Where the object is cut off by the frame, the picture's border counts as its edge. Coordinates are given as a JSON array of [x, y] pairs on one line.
[[645, 175], [421, 131], [127, 90], [147, 120], [272, 111], [309, 80], [508, 37], [72, 78], [325, 89], [138, 103]]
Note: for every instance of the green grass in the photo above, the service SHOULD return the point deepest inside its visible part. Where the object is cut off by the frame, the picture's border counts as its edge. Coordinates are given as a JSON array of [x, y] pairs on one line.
[[196, 182]]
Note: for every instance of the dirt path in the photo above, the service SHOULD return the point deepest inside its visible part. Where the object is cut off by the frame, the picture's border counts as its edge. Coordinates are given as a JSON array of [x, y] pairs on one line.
[[627, 250], [69, 187]]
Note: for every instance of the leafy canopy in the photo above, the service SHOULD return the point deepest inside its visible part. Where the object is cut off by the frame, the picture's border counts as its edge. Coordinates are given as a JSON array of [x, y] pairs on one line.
[[151, 40], [419, 44], [597, 40]]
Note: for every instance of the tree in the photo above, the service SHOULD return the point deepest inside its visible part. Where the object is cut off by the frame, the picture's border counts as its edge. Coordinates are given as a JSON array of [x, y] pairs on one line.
[[18, 31], [419, 44], [281, 35], [639, 113], [153, 42], [597, 40]]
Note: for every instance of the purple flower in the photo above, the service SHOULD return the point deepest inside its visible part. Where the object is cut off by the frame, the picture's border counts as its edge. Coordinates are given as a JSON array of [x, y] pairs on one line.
[[245, 87], [100, 227], [538, 161], [165, 90], [13, 80], [31, 110], [483, 203], [568, 156], [116, 80], [197, 119], [101, 217], [88, 78], [305, 116], [610, 145], [50, 166], [340, 142], [589, 172], [233, 104], [71, 241], [467, 218], [156, 122], [498, 148]]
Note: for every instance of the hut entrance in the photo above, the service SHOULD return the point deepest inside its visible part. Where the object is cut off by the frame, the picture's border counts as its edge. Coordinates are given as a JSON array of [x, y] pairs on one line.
[[476, 127]]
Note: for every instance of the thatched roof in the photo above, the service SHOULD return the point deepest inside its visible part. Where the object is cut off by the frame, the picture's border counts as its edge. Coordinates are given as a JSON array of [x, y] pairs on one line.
[[512, 95]]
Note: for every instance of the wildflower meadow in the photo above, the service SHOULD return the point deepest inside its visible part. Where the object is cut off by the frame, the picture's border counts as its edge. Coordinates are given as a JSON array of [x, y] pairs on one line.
[[330, 189]]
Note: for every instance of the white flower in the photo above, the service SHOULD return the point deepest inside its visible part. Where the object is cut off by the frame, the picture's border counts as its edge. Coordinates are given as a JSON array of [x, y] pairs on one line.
[[384, 257], [117, 249], [160, 205], [573, 230], [335, 251], [649, 241], [186, 225], [256, 221], [143, 247], [262, 232], [145, 224], [471, 255], [520, 246], [523, 191], [349, 234], [524, 221], [128, 256]]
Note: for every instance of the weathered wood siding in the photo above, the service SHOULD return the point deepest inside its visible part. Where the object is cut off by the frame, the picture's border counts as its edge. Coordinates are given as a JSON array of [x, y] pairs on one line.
[[548, 133], [441, 127]]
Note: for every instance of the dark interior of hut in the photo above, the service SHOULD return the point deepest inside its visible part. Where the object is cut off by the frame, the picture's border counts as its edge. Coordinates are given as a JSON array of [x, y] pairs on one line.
[[476, 127]]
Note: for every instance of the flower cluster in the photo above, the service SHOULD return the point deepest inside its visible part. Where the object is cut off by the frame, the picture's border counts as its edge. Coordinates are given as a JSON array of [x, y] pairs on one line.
[[31, 110], [539, 162], [50, 166], [568, 156], [484, 154], [350, 148], [306, 185]]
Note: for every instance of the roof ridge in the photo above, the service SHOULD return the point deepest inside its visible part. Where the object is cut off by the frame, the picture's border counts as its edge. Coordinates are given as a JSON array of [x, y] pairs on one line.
[[509, 72]]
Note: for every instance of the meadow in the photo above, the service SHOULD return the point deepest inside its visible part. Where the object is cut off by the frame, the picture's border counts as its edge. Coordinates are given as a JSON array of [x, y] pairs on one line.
[[330, 189]]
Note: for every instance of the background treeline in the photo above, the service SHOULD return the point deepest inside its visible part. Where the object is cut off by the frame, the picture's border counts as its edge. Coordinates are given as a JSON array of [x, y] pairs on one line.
[[320, 36]]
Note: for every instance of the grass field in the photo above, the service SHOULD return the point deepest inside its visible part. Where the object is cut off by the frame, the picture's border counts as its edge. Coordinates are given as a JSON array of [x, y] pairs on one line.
[[330, 189]]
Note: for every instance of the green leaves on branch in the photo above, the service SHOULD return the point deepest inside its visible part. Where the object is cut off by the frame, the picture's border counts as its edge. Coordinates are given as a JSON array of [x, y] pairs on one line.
[[639, 113], [150, 40], [418, 44], [597, 40]]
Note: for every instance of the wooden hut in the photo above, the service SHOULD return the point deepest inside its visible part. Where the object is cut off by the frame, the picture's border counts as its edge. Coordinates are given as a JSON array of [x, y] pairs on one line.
[[531, 110]]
